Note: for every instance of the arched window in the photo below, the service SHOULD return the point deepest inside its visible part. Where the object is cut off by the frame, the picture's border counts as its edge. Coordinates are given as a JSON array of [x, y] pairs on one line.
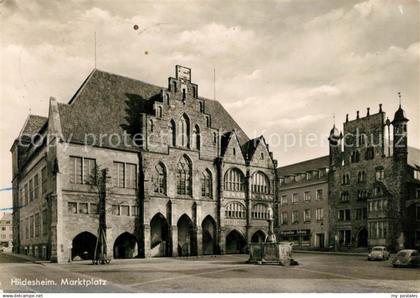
[[260, 183], [172, 133], [174, 86], [185, 131], [184, 94], [160, 180], [208, 121], [235, 210], [152, 126], [159, 112], [214, 138], [234, 180], [206, 184], [259, 211], [184, 177], [197, 137]]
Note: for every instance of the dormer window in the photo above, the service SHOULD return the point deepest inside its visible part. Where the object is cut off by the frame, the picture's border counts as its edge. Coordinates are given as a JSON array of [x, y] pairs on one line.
[[159, 112]]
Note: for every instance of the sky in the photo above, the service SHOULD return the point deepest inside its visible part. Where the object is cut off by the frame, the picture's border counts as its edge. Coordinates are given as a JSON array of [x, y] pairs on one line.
[[284, 69]]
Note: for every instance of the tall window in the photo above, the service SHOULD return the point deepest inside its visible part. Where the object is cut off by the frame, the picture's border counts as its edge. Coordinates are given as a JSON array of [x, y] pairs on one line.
[[361, 176], [307, 196], [283, 218], [118, 174], [260, 183], [380, 174], [31, 189], [295, 198], [37, 225], [319, 213], [82, 170], [283, 200], [172, 133], [160, 182], [131, 175], [370, 153], [125, 175], [185, 131], [197, 137], [234, 180], [235, 210], [319, 194], [206, 184], [259, 211], [26, 193], [44, 179], [36, 186], [295, 216], [307, 215], [184, 177]]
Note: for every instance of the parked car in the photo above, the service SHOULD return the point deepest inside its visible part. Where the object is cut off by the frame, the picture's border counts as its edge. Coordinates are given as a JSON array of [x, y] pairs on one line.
[[378, 253], [406, 258]]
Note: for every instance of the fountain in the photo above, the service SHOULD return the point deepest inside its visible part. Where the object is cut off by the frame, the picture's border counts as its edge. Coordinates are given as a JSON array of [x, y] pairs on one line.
[[271, 251]]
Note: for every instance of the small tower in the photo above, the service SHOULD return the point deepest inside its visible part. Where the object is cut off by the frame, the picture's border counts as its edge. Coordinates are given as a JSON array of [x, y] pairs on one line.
[[399, 124], [335, 147]]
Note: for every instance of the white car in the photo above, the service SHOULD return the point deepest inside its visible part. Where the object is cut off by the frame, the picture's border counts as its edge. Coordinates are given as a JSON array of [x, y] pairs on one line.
[[378, 253]]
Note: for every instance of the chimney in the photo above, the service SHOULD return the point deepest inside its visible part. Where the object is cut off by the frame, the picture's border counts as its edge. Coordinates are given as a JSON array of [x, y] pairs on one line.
[[380, 108], [357, 117], [368, 112], [347, 117]]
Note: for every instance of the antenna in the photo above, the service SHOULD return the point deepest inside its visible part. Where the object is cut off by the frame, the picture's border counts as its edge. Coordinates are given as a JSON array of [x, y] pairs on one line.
[[95, 49], [214, 83]]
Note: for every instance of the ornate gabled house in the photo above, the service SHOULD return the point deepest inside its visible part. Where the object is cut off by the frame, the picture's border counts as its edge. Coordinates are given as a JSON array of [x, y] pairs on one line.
[[183, 177]]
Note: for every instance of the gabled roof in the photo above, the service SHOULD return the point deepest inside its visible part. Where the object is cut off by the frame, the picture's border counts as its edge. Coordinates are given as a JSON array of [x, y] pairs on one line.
[[106, 102], [33, 124], [302, 167], [250, 147]]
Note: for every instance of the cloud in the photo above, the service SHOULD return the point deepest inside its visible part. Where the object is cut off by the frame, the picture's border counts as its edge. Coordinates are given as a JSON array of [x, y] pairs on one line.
[[281, 66]]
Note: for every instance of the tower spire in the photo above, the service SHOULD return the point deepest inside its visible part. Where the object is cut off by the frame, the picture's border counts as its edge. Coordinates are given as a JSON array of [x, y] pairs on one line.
[[399, 98]]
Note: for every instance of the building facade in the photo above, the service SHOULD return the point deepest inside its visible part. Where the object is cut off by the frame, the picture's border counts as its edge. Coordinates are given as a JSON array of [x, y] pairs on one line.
[[183, 178], [303, 203], [373, 183], [6, 232]]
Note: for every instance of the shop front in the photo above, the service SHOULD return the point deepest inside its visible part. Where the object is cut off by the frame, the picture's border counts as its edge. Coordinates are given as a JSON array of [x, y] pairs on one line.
[[300, 238]]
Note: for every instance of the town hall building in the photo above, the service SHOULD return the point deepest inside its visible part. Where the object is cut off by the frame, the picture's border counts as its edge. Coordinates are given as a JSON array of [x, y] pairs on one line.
[[183, 177]]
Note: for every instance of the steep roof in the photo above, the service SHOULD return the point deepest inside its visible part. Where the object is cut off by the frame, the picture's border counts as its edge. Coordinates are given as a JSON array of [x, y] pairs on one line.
[[301, 167], [105, 102], [33, 124], [413, 158]]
